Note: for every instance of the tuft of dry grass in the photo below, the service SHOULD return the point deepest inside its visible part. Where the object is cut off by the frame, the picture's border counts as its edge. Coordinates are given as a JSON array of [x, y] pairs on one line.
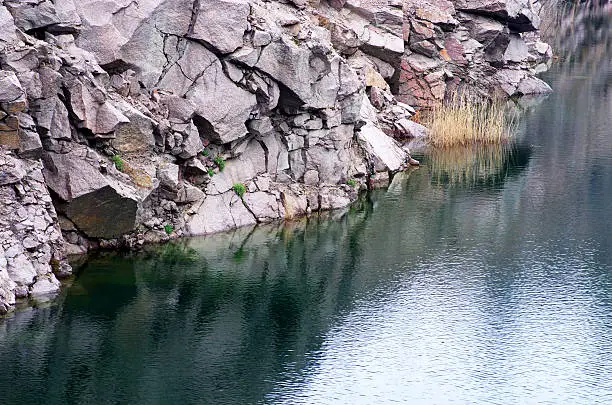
[[468, 120]]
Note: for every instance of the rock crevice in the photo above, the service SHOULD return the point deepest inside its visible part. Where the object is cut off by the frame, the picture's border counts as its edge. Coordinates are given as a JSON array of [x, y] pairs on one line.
[[123, 122]]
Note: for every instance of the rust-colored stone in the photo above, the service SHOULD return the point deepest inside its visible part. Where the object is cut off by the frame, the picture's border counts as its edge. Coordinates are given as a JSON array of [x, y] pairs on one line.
[[10, 123], [10, 139], [444, 54], [455, 51]]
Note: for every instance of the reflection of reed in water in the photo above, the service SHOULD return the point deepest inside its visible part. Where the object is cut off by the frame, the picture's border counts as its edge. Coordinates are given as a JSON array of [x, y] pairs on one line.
[[469, 165]]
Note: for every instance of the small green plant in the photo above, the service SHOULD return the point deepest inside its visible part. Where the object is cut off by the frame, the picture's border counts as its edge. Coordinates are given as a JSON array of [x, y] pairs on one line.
[[169, 229], [205, 152], [240, 189], [211, 172], [219, 161], [352, 183], [119, 163]]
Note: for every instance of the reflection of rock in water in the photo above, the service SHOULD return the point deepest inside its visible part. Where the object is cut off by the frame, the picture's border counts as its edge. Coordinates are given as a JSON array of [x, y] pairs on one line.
[[574, 28], [528, 102], [476, 165], [587, 54]]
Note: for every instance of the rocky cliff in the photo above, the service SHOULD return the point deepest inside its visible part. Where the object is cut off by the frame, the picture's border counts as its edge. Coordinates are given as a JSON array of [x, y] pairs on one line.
[[125, 122]]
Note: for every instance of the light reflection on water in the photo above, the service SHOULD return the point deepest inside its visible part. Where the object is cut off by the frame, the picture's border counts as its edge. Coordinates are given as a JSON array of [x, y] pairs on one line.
[[475, 279], [459, 331]]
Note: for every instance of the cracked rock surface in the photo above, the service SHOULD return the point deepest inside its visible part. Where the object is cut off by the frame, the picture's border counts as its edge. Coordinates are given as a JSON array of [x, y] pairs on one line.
[[30, 237], [128, 122]]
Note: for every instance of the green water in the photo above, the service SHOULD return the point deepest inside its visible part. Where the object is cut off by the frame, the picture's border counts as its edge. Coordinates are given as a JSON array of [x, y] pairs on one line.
[[479, 278]]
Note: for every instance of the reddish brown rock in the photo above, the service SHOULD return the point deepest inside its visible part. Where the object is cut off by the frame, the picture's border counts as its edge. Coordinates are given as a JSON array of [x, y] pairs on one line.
[[455, 51]]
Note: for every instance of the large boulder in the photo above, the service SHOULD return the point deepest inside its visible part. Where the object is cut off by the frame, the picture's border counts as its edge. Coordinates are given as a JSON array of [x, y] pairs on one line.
[[409, 129], [7, 28], [142, 35], [265, 206], [99, 205], [91, 108], [221, 107], [385, 153], [330, 156], [12, 102], [514, 82], [30, 145], [219, 213], [135, 136], [221, 23], [385, 46], [295, 200], [53, 16], [518, 14], [517, 50], [10, 87], [52, 118], [248, 165], [309, 76]]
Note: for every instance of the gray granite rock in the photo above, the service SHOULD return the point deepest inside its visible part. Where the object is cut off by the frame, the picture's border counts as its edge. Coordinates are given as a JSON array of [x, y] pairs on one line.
[[219, 213]]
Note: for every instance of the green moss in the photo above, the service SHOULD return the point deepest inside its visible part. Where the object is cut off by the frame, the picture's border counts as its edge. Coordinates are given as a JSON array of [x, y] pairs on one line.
[[169, 229], [352, 183], [220, 162], [205, 152], [119, 163], [211, 172], [240, 189]]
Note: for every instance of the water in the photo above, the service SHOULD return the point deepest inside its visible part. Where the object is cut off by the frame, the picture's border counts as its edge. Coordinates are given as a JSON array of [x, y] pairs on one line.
[[481, 278]]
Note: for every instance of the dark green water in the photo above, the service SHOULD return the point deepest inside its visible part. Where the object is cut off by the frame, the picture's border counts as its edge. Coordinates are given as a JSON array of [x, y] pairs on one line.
[[481, 278]]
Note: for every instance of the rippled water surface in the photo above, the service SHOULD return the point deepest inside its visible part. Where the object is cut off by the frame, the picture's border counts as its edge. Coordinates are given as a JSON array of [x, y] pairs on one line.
[[481, 278]]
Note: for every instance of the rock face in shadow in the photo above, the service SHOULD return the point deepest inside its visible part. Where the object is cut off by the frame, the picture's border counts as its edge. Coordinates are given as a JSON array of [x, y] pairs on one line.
[[98, 205], [148, 117]]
